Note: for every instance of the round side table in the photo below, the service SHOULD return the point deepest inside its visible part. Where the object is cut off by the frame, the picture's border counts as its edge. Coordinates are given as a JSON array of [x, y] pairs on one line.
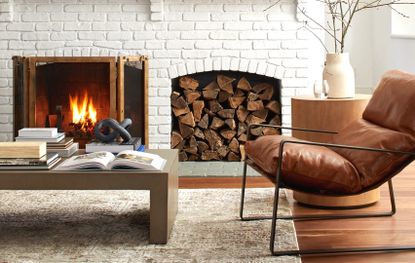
[[333, 115]]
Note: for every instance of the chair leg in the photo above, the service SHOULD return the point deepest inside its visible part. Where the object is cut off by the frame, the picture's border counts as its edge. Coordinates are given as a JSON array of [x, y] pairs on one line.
[[339, 250]]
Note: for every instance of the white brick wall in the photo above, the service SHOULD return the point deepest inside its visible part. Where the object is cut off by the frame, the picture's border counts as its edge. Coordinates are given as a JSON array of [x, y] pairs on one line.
[[179, 36]]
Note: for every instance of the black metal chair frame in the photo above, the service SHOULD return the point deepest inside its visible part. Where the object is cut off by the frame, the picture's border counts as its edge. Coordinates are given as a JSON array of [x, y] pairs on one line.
[[279, 185]]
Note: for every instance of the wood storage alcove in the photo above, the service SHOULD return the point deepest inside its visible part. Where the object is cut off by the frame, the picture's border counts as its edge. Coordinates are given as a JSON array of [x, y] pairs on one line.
[[211, 112], [51, 91]]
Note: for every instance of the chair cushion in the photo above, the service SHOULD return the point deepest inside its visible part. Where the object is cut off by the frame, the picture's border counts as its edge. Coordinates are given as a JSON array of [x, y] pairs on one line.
[[392, 104], [374, 167], [305, 167]]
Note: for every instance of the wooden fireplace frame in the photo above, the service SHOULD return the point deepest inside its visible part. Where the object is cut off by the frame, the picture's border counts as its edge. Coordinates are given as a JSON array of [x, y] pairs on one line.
[[27, 86]]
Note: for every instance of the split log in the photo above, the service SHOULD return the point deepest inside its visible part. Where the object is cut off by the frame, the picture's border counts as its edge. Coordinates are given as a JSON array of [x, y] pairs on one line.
[[257, 131], [188, 119], [199, 134], [225, 83], [204, 122], [174, 95], [178, 102], [210, 155], [258, 88], [234, 145], [202, 146], [242, 127], [182, 156], [276, 120], [243, 84], [255, 105], [185, 130], [215, 106], [211, 91], [242, 137], [178, 112], [192, 142], [193, 157], [242, 113], [252, 96], [192, 150], [197, 109], [191, 96], [273, 106], [180, 146], [262, 114], [176, 138], [223, 96], [228, 134], [239, 93], [251, 119], [188, 83], [267, 93], [209, 112], [233, 157], [269, 131], [227, 113], [234, 102], [231, 123], [216, 123], [223, 151], [213, 139]]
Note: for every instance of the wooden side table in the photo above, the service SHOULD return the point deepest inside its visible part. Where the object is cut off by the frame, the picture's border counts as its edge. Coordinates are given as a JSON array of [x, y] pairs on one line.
[[332, 115]]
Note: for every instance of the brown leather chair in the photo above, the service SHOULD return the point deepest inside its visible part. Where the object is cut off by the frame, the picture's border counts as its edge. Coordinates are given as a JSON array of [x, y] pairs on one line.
[[364, 155]]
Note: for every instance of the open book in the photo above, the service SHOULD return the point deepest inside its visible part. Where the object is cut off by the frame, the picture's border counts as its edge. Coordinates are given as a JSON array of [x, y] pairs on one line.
[[127, 159]]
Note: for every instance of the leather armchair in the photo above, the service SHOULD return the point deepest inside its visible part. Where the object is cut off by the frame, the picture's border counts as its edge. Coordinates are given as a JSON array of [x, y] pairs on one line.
[[362, 156]]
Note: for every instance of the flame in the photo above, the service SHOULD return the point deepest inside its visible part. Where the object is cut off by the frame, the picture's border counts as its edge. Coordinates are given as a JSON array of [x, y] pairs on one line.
[[83, 112]]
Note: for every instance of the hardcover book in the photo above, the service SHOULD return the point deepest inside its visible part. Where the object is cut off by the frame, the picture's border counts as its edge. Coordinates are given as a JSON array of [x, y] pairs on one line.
[[59, 137], [38, 132], [106, 161], [22, 149], [113, 147]]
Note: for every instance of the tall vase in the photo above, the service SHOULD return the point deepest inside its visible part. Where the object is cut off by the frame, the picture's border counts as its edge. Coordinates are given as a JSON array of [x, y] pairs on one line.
[[340, 76]]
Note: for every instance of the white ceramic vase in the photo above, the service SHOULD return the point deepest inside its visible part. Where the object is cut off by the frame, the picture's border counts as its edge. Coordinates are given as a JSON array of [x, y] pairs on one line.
[[340, 76]]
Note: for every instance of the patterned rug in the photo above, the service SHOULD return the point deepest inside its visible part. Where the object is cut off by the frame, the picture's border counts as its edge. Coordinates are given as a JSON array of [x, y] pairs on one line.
[[112, 226]]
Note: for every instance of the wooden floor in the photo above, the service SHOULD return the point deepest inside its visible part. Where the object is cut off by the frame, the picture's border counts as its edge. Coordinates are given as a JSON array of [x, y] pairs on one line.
[[396, 230]]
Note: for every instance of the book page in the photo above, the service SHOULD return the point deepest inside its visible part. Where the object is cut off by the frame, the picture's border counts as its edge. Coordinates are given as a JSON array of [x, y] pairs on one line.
[[98, 160], [141, 160]]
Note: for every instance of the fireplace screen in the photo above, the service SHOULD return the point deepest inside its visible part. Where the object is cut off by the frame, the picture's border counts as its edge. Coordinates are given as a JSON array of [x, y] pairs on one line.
[[73, 93], [211, 112]]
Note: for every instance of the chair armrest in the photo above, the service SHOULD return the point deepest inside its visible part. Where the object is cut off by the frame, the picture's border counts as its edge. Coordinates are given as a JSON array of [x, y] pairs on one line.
[[250, 126]]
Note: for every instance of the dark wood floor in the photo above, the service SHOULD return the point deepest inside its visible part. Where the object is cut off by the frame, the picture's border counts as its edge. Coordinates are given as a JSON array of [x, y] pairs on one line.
[[396, 230]]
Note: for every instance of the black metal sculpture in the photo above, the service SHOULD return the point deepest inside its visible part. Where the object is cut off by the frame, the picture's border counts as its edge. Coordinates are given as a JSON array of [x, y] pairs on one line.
[[108, 130]]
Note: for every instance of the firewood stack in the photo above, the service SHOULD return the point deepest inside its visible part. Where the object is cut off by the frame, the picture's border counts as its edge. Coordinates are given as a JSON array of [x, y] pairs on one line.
[[210, 122]]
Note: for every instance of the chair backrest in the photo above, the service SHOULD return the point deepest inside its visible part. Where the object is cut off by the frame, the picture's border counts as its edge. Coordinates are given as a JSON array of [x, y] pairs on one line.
[[388, 123]]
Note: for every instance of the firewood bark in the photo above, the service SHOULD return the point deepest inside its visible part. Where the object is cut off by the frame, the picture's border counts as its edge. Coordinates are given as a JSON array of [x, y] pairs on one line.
[[257, 131], [234, 102], [223, 96], [252, 96], [261, 87], [243, 84], [210, 155], [192, 142], [273, 106], [211, 91], [188, 119], [262, 114], [269, 131], [182, 156], [227, 113], [228, 134], [197, 109], [230, 123], [242, 128], [251, 119], [225, 83], [276, 120], [174, 95], [178, 112], [192, 150], [255, 105], [267, 93], [233, 157], [216, 123], [204, 122], [188, 83], [242, 113], [215, 106], [223, 151], [199, 134], [213, 139], [239, 93], [178, 102], [242, 137], [234, 145], [193, 157], [185, 130], [202, 146], [191, 96], [176, 138]]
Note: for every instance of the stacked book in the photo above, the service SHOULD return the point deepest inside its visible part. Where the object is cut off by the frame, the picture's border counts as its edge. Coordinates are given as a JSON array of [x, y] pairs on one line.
[[56, 141], [133, 144], [26, 156]]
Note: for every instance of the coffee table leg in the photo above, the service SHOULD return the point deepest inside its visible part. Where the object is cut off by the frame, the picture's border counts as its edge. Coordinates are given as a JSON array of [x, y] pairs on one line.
[[163, 209]]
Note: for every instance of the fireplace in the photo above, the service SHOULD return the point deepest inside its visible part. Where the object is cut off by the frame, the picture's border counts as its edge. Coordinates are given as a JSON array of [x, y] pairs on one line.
[[73, 93], [212, 110]]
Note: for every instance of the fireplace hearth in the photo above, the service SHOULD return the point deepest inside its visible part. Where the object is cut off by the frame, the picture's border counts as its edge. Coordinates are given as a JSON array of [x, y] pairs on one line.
[[73, 93]]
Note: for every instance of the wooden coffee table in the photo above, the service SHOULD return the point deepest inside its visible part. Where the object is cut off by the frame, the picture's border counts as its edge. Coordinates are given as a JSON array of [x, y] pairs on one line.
[[163, 187]]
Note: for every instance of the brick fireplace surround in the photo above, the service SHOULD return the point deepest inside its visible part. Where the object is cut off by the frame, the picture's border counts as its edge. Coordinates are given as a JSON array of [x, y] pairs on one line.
[[180, 37]]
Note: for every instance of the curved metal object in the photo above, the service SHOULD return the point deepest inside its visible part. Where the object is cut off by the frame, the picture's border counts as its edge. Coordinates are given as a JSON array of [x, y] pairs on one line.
[[118, 129]]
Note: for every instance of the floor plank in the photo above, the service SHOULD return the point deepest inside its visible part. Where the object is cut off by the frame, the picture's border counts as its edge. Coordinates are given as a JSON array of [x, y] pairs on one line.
[[396, 230]]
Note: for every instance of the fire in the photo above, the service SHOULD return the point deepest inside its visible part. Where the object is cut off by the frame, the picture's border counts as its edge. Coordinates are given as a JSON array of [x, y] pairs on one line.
[[84, 114]]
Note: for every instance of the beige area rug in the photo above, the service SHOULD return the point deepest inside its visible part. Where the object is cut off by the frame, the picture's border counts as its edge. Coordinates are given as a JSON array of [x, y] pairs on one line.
[[112, 226]]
